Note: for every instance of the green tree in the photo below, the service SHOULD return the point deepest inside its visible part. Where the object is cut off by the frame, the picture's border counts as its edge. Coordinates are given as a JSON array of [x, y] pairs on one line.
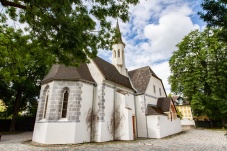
[[21, 70], [2, 106], [73, 30], [214, 15], [179, 114], [198, 71]]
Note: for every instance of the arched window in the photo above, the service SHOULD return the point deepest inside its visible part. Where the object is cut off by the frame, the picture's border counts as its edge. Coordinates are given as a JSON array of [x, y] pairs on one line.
[[118, 52], [46, 103], [65, 104]]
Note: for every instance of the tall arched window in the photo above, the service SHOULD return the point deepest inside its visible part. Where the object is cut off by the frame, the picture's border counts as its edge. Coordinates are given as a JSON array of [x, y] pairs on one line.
[[118, 52], [46, 103], [65, 104]]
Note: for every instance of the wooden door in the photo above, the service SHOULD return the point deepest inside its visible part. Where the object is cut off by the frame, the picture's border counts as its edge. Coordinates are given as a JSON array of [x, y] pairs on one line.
[[134, 126]]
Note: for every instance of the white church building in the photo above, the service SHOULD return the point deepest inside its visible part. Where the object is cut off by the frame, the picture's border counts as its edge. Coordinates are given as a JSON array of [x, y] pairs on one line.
[[100, 102]]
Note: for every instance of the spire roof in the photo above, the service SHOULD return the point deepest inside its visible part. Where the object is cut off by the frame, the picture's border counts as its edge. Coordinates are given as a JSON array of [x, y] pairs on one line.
[[119, 39]]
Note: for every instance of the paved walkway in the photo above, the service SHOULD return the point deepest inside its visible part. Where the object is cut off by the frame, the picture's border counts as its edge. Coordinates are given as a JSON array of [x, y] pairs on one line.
[[193, 140]]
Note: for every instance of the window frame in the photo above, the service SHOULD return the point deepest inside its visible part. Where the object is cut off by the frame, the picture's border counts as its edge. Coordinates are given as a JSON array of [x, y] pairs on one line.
[[46, 104], [62, 106]]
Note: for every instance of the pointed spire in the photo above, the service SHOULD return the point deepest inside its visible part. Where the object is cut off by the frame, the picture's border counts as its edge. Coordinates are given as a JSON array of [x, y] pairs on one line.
[[117, 27], [119, 40]]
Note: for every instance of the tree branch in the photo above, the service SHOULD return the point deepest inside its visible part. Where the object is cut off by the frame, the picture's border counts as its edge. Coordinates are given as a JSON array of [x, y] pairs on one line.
[[6, 3]]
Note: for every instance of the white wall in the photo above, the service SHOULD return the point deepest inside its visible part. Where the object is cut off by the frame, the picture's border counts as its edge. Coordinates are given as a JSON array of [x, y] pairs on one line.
[[187, 122], [150, 90], [62, 131], [127, 109], [160, 126], [95, 72], [153, 126], [113, 98], [103, 132], [140, 116], [168, 127], [39, 132], [82, 133]]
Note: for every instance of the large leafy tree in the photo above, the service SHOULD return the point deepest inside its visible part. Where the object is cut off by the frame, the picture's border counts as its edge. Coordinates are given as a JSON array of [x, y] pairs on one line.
[[198, 72], [73, 30], [23, 63], [214, 15]]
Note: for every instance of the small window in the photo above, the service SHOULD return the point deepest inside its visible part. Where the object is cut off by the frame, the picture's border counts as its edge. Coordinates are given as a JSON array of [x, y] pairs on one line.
[[154, 88], [65, 104], [46, 103], [160, 92], [118, 52]]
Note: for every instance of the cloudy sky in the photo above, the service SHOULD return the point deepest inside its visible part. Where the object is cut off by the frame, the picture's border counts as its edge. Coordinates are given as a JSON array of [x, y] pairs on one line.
[[155, 27]]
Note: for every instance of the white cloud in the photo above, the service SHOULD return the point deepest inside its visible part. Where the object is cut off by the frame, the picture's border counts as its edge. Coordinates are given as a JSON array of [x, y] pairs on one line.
[[153, 31], [169, 31]]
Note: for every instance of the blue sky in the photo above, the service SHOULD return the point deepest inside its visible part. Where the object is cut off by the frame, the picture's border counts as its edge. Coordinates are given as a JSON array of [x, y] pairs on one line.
[[155, 27]]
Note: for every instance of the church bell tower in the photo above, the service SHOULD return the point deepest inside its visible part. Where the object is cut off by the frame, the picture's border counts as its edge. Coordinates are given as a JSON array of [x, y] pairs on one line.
[[118, 54]]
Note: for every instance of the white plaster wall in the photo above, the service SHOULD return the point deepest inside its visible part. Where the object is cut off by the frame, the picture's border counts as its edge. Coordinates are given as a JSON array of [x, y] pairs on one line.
[[187, 122], [160, 126], [153, 126], [82, 133], [125, 131], [150, 90], [39, 132], [130, 103], [118, 60], [40, 129], [109, 103], [140, 117], [96, 127], [62, 131], [95, 72], [168, 127], [151, 100]]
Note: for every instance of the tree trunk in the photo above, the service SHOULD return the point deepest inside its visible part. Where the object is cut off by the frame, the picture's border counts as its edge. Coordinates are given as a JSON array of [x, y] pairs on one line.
[[223, 122], [16, 110]]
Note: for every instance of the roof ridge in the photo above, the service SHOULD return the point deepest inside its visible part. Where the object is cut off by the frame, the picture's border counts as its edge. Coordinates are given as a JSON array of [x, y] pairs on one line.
[[140, 68]]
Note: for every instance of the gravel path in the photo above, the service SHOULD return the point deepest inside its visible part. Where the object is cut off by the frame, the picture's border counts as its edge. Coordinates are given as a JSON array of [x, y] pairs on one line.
[[193, 140]]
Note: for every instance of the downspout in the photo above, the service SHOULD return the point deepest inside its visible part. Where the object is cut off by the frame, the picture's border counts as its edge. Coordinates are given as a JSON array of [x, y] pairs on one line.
[[145, 115], [92, 114]]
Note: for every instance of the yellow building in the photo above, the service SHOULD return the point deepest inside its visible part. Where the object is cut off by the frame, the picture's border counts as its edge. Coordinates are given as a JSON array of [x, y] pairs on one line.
[[186, 111], [184, 107]]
